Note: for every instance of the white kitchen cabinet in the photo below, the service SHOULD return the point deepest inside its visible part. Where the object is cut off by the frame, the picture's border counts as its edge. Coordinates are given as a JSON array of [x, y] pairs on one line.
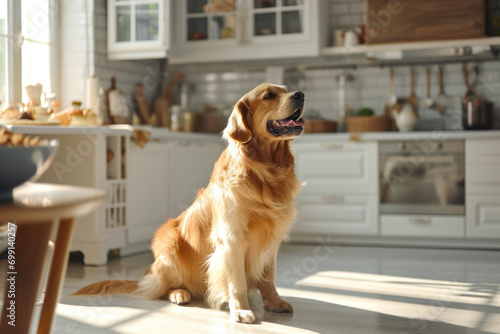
[[422, 226], [339, 215], [337, 167], [149, 194], [138, 29], [482, 166], [482, 191], [191, 166], [340, 195], [483, 217], [215, 30]]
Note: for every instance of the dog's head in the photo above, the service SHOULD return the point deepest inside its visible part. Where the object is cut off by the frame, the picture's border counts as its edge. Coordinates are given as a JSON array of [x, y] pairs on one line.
[[267, 112]]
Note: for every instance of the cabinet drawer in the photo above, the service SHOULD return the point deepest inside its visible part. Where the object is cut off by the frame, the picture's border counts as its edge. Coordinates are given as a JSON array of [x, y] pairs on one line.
[[482, 162], [422, 226], [349, 215], [483, 217], [338, 167]]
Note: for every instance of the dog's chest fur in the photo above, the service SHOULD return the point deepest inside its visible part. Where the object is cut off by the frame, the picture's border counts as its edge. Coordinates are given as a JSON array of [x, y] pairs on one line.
[[269, 212]]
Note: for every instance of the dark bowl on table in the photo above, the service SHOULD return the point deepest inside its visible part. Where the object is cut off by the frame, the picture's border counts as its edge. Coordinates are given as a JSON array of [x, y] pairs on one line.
[[20, 164]]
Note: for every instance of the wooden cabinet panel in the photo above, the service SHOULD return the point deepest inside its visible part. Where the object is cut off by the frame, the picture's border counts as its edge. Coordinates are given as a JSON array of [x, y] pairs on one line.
[[422, 226], [483, 216], [424, 20]]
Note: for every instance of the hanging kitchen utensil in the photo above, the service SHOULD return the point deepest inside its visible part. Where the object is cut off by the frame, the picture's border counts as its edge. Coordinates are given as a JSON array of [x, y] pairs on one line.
[[343, 108], [470, 85], [441, 99], [428, 102], [391, 103], [392, 98], [477, 113], [406, 115], [163, 103], [412, 99]]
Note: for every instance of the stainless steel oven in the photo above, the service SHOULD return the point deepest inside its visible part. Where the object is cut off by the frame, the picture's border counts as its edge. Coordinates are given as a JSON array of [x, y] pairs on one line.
[[422, 177]]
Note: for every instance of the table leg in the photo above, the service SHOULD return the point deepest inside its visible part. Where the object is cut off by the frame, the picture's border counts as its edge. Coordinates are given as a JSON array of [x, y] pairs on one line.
[[30, 248], [56, 275]]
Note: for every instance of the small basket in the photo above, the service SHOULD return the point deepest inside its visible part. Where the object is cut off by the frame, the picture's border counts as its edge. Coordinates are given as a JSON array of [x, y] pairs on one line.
[[368, 123]]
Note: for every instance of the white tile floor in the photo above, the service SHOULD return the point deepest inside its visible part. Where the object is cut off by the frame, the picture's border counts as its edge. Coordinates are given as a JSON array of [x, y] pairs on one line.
[[332, 289]]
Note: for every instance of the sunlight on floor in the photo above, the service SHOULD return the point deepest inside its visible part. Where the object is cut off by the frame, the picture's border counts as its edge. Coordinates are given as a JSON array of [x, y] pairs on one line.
[[353, 290], [415, 298]]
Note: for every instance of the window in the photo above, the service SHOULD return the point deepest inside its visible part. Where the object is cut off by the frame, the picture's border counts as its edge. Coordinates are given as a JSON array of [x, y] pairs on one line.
[[26, 47]]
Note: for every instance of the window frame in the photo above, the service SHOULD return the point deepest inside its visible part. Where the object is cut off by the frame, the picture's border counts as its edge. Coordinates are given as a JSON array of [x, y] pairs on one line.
[[14, 49]]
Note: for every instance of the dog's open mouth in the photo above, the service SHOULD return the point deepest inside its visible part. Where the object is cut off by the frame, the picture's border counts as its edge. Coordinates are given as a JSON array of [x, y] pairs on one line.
[[292, 125]]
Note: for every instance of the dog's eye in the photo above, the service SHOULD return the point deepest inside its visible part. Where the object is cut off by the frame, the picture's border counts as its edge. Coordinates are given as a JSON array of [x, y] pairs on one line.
[[268, 96]]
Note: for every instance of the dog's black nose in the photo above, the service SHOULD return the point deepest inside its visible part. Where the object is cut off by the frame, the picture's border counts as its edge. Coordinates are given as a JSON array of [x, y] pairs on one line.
[[298, 95]]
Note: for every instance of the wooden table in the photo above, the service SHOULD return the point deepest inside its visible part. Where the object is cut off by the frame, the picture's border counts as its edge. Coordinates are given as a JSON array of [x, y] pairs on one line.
[[38, 209]]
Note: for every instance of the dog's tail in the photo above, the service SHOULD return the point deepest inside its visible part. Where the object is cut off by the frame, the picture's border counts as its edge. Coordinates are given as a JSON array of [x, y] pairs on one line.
[[108, 288]]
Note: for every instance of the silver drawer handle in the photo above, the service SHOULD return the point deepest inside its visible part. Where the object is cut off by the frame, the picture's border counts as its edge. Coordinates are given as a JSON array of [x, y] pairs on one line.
[[332, 146], [333, 198], [420, 220]]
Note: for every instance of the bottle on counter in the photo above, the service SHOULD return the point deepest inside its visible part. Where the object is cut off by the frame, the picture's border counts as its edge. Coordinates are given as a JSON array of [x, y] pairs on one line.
[[177, 117]]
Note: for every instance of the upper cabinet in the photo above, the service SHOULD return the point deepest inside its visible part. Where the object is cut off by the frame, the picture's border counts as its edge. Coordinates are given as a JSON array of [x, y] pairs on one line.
[[222, 30], [138, 29]]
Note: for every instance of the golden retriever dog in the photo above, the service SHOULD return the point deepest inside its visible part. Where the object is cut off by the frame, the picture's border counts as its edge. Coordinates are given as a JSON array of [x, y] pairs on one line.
[[226, 242]]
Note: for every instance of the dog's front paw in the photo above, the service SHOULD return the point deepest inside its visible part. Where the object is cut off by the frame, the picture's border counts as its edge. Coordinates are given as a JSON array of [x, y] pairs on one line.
[[244, 316], [278, 305], [179, 296]]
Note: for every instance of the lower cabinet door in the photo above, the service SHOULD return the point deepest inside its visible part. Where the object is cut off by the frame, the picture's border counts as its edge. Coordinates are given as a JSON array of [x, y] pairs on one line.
[[483, 217], [341, 215], [422, 226], [148, 190]]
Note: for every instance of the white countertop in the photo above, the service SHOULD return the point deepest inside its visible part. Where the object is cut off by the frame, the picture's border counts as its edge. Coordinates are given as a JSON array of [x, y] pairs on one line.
[[111, 130], [396, 135], [161, 133]]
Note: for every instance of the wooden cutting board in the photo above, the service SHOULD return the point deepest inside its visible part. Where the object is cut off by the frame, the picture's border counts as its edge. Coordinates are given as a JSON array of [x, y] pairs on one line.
[[424, 20]]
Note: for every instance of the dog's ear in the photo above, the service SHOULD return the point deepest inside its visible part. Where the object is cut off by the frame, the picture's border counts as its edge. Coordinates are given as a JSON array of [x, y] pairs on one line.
[[237, 125]]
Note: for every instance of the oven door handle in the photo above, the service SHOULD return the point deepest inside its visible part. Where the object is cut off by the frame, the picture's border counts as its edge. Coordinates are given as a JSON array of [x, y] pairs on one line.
[[420, 220]]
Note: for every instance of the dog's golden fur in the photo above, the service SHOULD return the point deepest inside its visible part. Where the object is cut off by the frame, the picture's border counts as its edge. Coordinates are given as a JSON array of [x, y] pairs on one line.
[[227, 241]]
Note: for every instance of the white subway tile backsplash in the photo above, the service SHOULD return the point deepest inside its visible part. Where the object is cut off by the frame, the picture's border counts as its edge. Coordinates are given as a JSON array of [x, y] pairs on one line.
[[350, 20], [339, 9], [358, 7]]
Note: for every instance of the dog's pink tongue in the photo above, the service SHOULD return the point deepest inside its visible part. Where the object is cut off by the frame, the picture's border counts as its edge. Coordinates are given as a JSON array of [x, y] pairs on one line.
[[291, 122]]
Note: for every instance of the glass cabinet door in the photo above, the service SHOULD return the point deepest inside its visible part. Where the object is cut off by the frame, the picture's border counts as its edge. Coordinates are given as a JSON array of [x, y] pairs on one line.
[[277, 17], [210, 19], [147, 19], [137, 20], [123, 22]]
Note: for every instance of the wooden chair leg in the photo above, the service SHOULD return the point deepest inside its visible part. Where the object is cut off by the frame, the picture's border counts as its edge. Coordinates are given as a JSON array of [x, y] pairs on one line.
[[56, 275], [30, 248]]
